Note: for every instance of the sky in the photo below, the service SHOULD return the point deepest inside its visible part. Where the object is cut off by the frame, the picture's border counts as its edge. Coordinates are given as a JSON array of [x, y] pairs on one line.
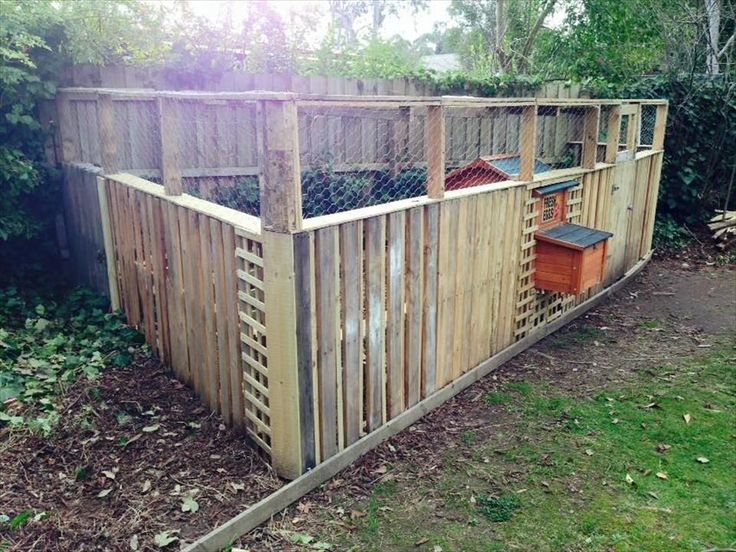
[[405, 24]]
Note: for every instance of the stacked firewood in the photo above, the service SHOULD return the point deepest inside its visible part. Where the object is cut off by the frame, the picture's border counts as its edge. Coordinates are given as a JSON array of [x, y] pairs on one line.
[[723, 227]]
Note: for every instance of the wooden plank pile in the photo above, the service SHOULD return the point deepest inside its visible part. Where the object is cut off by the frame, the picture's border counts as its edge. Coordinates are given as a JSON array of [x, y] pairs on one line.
[[723, 227]]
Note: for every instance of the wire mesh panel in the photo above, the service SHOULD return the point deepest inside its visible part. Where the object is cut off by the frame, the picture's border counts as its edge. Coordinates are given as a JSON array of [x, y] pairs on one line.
[[560, 136], [353, 157], [482, 145], [646, 128]]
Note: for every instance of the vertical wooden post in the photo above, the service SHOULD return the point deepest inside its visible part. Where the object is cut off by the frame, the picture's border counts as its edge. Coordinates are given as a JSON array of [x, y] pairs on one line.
[[660, 125], [171, 175], [110, 260], [66, 122], [281, 188], [633, 129], [108, 134], [434, 145], [613, 133], [528, 142], [281, 217], [590, 136]]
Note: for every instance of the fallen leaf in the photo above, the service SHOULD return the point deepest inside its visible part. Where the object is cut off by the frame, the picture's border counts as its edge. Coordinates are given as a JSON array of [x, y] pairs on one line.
[[151, 428], [687, 418], [422, 541], [237, 486], [165, 538], [653, 495], [133, 542], [132, 439], [437, 548], [188, 504], [703, 459], [662, 475], [357, 514], [303, 507], [589, 452], [650, 405], [146, 486], [629, 479], [662, 448], [381, 469], [110, 474], [103, 493]]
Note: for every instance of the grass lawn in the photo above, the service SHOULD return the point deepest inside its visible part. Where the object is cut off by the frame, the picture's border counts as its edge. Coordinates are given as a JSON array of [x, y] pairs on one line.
[[649, 466]]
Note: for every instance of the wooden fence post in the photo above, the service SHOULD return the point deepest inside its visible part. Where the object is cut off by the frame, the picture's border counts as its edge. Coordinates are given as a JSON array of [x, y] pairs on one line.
[[528, 142], [66, 122], [434, 145], [110, 260], [108, 134], [660, 125], [281, 217], [590, 136], [281, 189], [171, 175], [613, 133]]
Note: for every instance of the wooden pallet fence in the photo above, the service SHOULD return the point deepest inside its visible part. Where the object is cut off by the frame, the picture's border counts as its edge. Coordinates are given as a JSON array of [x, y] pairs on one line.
[[190, 277]]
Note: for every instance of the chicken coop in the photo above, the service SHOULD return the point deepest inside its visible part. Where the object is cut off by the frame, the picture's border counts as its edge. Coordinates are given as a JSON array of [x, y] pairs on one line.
[[318, 268]]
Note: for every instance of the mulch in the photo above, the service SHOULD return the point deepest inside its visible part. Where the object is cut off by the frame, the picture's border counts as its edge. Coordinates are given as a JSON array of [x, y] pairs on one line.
[[130, 448]]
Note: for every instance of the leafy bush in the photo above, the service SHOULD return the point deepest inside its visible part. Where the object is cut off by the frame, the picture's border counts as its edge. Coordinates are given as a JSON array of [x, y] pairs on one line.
[[700, 144], [46, 345], [668, 234]]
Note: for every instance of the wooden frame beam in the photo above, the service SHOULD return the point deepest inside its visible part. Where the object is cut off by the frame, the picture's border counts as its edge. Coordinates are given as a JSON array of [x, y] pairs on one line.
[[528, 142], [108, 134], [613, 133], [434, 144], [590, 136], [171, 173], [281, 188], [660, 126]]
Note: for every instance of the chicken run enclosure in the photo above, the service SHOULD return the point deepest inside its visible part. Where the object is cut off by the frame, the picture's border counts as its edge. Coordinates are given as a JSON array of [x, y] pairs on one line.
[[318, 268]]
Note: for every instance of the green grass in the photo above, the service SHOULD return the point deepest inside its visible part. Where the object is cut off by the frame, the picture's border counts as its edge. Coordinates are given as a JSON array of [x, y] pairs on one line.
[[581, 474]]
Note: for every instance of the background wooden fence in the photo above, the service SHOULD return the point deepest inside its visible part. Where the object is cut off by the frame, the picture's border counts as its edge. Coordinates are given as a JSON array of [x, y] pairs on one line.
[[313, 333]]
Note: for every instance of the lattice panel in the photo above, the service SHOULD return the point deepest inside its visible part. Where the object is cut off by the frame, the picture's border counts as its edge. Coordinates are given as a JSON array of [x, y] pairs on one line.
[[527, 294], [252, 311]]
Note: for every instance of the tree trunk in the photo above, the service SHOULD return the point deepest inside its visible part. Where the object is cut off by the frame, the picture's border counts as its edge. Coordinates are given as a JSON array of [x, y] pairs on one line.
[[713, 11], [501, 26]]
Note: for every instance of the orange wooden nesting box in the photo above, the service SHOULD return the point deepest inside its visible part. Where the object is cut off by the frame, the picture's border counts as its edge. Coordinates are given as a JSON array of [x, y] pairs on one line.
[[569, 258]]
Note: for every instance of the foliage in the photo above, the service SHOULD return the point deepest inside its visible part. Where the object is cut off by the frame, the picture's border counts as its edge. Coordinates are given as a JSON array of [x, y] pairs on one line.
[[668, 234], [498, 509], [244, 196], [46, 344], [700, 143]]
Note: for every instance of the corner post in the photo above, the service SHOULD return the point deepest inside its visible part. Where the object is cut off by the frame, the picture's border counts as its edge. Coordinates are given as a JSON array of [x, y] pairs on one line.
[[171, 173], [108, 135], [613, 135], [528, 142], [69, 150], [660, 125], [281, 218], [434, 145], [590, 136]]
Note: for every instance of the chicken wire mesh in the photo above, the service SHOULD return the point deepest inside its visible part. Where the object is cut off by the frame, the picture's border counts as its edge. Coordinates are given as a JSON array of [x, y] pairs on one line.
[[482, 145], [646, 128], [215, 142], [353, 157]]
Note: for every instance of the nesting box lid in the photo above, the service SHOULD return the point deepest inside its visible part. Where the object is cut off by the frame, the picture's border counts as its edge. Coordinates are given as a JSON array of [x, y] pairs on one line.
[[573, 236]]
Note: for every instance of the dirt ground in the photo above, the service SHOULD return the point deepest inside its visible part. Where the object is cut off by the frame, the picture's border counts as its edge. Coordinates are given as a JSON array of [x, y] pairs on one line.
[[136, 455]]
